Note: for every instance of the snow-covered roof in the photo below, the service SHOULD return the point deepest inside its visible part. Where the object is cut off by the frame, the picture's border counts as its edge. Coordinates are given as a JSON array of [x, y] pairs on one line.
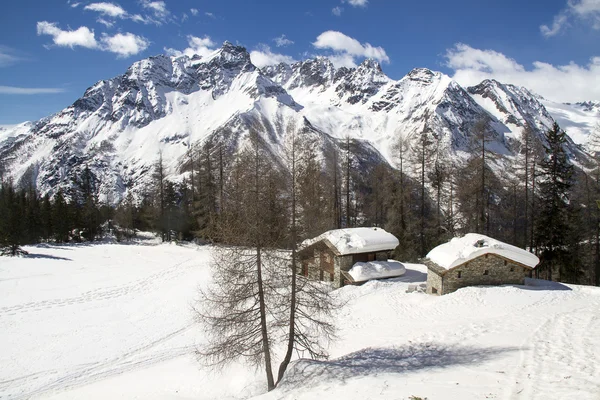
[[472, 245], [356, 240], [364, 271]]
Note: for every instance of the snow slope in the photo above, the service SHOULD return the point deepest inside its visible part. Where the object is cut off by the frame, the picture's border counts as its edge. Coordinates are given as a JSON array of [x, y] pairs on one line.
[[578, 120], [110, 321], [75, 315]]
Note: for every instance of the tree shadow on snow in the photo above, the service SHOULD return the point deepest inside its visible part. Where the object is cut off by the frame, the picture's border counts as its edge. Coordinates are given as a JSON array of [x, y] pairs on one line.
[[45, 256], [395, 360]]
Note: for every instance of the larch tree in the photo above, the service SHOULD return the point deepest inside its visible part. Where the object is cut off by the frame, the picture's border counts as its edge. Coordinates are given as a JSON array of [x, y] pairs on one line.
[[235, 308]]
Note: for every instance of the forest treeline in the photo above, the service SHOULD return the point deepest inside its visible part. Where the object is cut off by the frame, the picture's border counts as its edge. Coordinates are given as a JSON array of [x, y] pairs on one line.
[[539, 200]]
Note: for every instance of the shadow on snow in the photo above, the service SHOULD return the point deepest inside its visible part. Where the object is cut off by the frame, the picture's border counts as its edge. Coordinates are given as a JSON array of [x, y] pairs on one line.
[[394, 360]]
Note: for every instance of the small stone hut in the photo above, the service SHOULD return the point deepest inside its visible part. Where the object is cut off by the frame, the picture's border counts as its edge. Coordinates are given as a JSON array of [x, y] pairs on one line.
[[329, 256], [476, 259]]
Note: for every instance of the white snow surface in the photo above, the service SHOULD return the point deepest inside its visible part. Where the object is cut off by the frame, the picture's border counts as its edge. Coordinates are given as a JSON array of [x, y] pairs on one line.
[[357, 240], [579, 122], [462, 249], [112, 321], [365, 271]]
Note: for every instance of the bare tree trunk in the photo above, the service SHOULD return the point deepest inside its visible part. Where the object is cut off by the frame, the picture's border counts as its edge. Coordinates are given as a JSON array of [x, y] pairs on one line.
[[292, 322]]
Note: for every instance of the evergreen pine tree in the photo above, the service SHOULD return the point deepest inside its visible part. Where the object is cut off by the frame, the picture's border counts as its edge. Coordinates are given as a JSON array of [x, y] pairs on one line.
[[553, 228]]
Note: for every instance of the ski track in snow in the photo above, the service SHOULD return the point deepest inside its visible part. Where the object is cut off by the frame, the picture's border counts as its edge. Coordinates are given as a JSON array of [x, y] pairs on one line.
[[153, 349], [108, 293]]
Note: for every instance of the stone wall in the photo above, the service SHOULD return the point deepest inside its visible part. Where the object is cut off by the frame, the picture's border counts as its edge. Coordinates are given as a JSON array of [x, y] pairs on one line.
[[434, 282], [488, 269]]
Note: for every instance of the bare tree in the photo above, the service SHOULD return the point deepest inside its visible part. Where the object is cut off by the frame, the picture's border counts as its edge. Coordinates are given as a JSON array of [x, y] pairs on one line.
[[309, 303], [234, 308]]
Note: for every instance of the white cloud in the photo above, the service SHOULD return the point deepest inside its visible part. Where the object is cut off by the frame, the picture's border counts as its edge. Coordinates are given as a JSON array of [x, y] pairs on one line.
[[107, 23], [75, 5], [194, 11], [139, 18], [282, 41], [347, 50], [21, 90], [7, 56], [337, 11], [108, 9], [124, 44], [584, 11], [565, 83], [159, 8], [82, 36], [557, 25], [210, 15], [200, 46], [357, 3], [263, 56]]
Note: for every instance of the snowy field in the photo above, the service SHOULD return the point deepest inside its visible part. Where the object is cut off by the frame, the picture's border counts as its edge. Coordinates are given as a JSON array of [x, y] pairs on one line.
[[111, 321]]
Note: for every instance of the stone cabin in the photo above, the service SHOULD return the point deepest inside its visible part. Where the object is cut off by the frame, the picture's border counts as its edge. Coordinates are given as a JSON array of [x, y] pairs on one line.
[[329, 256], [476, 259]]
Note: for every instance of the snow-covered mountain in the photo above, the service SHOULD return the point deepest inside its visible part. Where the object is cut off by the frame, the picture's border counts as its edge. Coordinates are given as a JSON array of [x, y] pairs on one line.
[[578, 119], [170, 104]]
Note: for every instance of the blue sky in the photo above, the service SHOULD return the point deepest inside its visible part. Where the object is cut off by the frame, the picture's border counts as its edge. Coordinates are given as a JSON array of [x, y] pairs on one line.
[[51, 51]]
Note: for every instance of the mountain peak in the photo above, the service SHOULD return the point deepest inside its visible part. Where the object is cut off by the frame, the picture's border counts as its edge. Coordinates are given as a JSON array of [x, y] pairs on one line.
[[424, 75], [370, 64]]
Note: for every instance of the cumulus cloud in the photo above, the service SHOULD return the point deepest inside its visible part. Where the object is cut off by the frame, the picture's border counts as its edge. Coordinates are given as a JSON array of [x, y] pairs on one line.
[[357, 3], [107, 9], [200, 46], [347, 49], [282, 41], [582, 11], [337, 11], [194, 11], [122, 44], [210, 15], [22, 90], [263, 56], [565, 83], [82, 36]]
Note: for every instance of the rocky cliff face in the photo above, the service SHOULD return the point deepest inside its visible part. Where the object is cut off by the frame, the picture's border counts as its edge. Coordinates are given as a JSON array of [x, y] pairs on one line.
[[168, 105]]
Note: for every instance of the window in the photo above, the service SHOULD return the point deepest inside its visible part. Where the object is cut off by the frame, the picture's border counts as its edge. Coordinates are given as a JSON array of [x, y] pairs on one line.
[[331, 277], [486, 272], [321, 275], [505, 262], [512, 268], [459, 274]]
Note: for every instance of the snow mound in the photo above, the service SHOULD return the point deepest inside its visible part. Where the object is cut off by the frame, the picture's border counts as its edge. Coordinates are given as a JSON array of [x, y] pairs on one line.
[[364, 271], [472, 245], [357, 240]]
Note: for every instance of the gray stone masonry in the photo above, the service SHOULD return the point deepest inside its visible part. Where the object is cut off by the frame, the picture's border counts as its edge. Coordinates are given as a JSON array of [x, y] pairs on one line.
[[487, 269]]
